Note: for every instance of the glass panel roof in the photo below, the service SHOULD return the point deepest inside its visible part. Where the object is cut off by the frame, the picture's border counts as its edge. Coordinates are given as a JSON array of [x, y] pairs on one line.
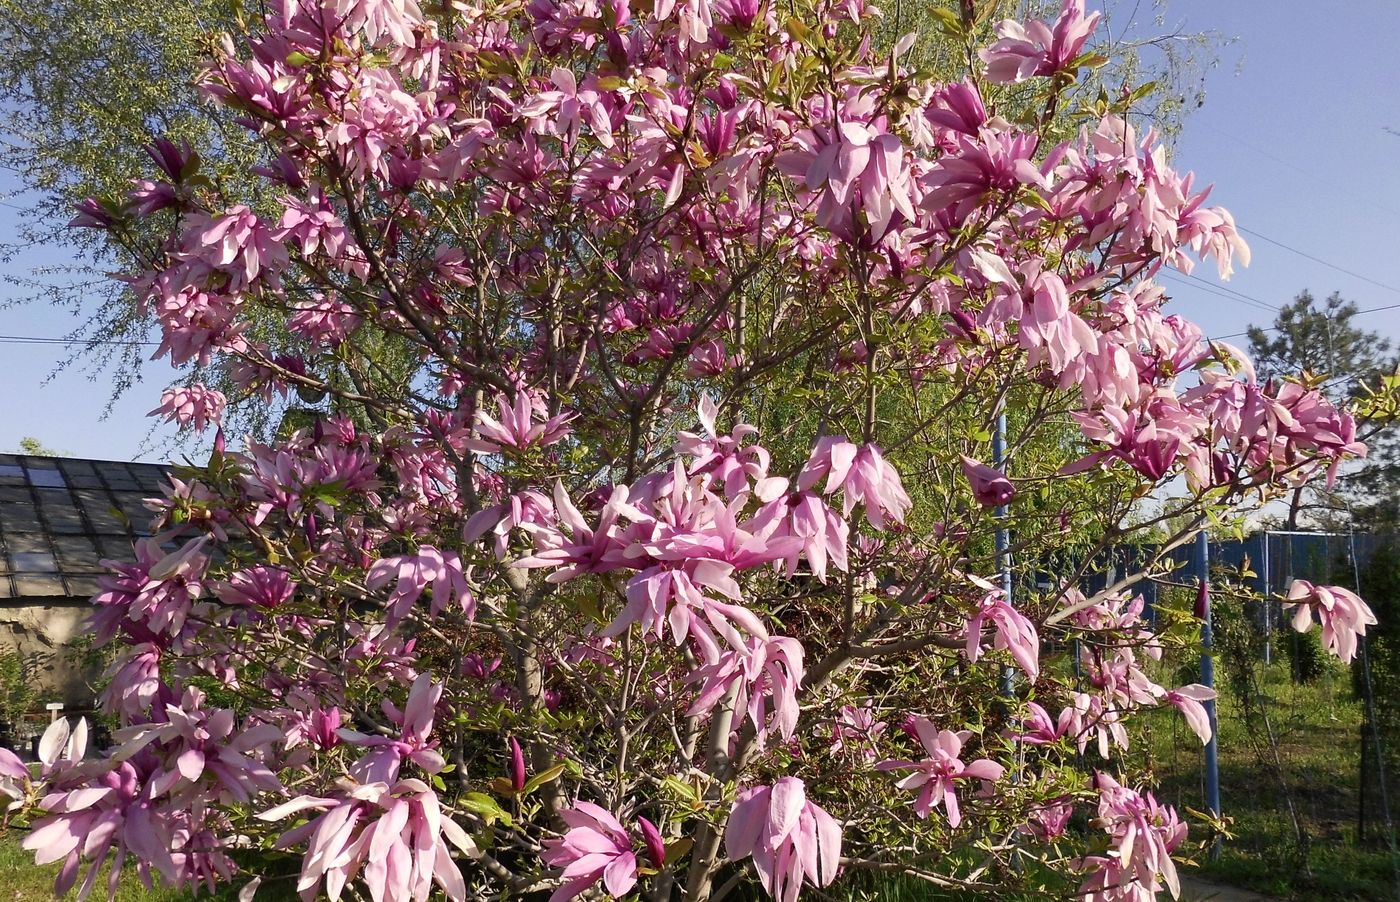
[[60, 516]]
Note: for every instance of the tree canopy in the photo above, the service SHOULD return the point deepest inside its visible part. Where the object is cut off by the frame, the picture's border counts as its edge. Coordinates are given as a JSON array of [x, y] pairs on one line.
[[711, 425]]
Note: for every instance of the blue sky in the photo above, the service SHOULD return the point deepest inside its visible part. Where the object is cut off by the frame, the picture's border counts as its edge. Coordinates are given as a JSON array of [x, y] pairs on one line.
[[1292, 133]]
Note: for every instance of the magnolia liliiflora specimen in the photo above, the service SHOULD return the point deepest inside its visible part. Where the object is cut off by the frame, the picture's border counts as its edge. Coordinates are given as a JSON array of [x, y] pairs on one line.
[[640, 541]]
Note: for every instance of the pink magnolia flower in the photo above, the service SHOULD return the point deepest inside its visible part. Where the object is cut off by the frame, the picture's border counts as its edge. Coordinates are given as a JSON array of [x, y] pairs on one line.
[[790, 839], [1050, 821], [862, 475], [1187, 700], [198, 748], [597, 847], [858, 163], [584, 549], [1343, 614], [153, 596], [1014, 632], [320, 727], [1142, 835], [683, 597], [414, 573], [192, 405], [414, 743], [99, 817], [61, 748], [394, 837], [813, 531], [237, 243], [324, 321], [936, 775], [499, 519], [133, 681], [990, 487], [570, 107], [1037, 48], [521, 426], [768, 674], [14, 778], [856, 729], [1038, 728], [260, 586], [724, 458], [517, 766]]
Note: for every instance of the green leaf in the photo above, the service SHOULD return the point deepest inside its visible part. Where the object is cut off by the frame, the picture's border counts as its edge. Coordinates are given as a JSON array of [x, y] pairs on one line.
[[483, 806], [543, 777], [948, 22], [798, 29], [681, 788], [676, 850]]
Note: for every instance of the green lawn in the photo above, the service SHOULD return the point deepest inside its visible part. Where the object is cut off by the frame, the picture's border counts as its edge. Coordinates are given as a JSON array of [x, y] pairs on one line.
[[1316, 729], [22, 881]]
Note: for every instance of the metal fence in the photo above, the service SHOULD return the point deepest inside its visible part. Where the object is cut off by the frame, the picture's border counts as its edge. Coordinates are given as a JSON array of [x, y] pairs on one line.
[[1308, 752]]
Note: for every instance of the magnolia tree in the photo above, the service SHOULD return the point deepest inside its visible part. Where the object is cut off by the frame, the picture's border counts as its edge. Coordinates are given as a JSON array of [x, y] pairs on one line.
[[642, 536]]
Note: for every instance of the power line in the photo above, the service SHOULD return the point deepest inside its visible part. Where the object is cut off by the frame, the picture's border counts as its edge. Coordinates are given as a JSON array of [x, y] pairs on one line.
[[1276, 328], [1341, 269], [1220, 291], [1315, 176], [41, 340]]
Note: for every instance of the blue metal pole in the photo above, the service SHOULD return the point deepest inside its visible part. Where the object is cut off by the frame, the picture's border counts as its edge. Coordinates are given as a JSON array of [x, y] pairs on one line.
[[1208, 680], [1008, 676]]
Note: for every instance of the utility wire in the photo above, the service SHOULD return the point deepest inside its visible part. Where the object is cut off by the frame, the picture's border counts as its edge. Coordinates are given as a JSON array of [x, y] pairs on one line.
[[1315, 176], [1305, 254], [1276, 328], [41, 340], [1220, 291]]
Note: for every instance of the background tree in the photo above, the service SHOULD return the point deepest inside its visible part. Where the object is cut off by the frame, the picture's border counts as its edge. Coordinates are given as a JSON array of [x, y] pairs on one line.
[[1350, 364], [31, 445]]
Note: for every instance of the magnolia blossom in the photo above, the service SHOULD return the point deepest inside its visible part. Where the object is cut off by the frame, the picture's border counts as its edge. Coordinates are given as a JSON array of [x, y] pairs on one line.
[[14, 778], [412, 574], [857, 729], [260, 586], [936, 775], [1187, 700], [1038, 728], [990, 486], [521, 426], [1142, 835], [1343, 614], [153, 596], [1014, 632], [862, 475], [597, 847], [724, 457], [790, 839], [414, 743], [393, 836], [196, 747], [192, 405], [767, 674], [1037, 48]]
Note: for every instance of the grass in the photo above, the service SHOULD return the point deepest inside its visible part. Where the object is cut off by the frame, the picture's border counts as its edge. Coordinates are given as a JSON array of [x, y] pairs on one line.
[[1316, 728], [22, 881]]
